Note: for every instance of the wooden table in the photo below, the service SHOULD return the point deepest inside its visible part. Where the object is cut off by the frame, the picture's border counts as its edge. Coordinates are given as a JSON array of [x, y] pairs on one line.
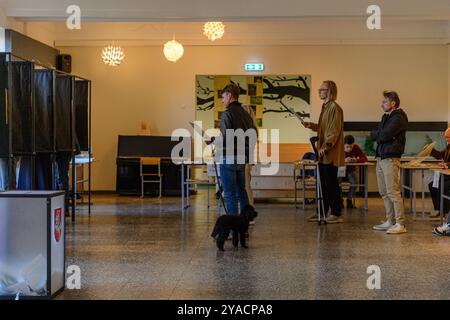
[[363, 172], [411, 188], [303, 165]]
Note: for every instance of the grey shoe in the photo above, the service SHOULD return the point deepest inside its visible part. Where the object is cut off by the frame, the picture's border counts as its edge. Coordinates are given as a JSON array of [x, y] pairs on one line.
[[384, 226], [334, 219], [396, 229]]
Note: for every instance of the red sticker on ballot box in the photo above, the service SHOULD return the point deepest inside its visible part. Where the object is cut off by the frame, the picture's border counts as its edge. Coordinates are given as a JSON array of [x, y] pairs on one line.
[[57, 224]]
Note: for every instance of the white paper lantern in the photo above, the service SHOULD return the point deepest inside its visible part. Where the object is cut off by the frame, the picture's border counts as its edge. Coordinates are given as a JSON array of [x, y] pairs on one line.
[[112, 55], [173, 50], [214, 30]]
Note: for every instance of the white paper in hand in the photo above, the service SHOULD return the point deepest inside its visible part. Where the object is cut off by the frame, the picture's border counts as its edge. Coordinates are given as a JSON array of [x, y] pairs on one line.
[[436, 180], [341, 172]]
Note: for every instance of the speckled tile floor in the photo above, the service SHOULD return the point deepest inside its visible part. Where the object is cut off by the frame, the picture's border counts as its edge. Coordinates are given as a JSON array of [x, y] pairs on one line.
[[148, 249]]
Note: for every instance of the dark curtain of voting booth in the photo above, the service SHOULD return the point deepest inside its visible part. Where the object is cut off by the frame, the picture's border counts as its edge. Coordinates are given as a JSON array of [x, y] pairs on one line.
[[3, 124], [53, 133], [22, 142], [44, 133], [82, 113], [22, 108], [20, 136], [42, 111], [63, 128], [63, 110], [43, 136]]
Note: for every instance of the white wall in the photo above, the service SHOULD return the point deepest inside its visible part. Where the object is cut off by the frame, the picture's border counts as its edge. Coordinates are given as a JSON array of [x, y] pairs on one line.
[[146, 87]]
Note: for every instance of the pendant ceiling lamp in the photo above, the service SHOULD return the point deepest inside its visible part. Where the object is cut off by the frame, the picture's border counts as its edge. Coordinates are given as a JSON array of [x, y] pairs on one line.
[[173, 50], [214, 30], [113, 55]]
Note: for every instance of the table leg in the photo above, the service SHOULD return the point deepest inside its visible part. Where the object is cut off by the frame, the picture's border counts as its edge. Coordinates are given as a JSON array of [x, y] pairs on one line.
[[303, 188], [295, 195], [295, 190], [366, 188], [402, 183], [182, 186], [423, 194], [82, 181], [318, 192], [74, 188], [441, 205], [209, 193], [187, 186], [412, 194]]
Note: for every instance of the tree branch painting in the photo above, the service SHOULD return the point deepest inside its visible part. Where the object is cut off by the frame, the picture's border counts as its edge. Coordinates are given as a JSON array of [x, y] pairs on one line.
[[297, 88]]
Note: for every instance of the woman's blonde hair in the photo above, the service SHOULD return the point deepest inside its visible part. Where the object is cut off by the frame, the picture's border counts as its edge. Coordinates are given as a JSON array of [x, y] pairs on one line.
[[332, 89]]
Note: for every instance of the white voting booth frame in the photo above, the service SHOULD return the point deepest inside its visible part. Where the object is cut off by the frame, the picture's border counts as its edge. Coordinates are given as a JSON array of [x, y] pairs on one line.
[[32, 250]]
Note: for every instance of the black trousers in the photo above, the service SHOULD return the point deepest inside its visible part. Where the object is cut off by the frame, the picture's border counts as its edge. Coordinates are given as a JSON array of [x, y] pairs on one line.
[[436, 194], [331, 191]]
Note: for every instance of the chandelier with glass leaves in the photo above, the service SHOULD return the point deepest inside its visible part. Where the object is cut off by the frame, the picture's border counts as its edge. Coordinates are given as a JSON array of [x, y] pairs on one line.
[[113, 55], [214, 30], [173, 50]]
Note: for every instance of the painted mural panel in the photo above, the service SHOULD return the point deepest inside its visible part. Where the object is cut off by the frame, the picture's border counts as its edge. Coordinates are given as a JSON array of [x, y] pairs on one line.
[[270, 96]]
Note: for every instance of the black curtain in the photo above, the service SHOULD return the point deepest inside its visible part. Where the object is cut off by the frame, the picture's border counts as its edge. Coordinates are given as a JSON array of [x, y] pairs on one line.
[[4, 145], [81, 113], [63, 120], [44, 171], [43, 80], [22, 114]]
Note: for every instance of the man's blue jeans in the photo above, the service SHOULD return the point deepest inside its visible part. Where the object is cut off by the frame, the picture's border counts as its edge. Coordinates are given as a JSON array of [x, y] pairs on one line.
[[233, 182]]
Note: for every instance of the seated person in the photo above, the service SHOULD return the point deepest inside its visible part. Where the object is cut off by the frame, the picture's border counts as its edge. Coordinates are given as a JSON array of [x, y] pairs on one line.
[[443, 155], [353, 153]]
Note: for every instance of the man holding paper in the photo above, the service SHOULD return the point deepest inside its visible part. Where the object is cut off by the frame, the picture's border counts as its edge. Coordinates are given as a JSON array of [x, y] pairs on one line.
[[330, 145], [237, 141]]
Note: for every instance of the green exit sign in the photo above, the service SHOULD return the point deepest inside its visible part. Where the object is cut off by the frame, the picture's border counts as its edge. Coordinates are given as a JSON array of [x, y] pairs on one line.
[[254, 66]]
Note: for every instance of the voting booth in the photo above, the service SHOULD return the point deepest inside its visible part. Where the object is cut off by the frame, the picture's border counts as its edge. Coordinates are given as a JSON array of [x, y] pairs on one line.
[[32, 244]]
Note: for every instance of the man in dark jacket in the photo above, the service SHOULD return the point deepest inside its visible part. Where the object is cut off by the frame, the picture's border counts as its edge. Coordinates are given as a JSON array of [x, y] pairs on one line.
[[390, 137], [239, 136]]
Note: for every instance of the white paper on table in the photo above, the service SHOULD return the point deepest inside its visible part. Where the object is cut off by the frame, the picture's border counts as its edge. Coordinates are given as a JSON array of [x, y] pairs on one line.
[[436, 180]]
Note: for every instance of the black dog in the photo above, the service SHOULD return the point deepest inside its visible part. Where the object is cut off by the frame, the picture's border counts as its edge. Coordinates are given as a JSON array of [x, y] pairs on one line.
[[238, 224]]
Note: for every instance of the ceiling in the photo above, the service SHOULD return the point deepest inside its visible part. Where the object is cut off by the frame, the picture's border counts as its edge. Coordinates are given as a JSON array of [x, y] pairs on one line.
[[229, 10], [248, 22]]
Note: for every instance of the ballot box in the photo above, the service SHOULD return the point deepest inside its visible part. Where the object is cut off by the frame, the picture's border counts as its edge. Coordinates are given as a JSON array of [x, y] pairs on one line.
[[32, 244]]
